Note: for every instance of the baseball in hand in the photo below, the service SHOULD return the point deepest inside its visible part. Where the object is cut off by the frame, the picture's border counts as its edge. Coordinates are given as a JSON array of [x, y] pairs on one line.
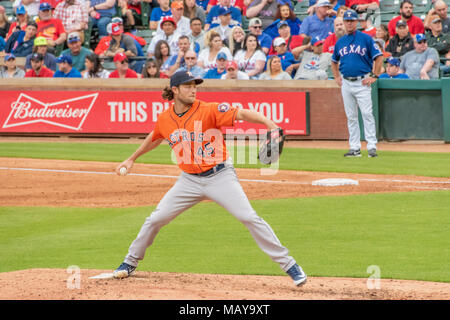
[[123, 171]]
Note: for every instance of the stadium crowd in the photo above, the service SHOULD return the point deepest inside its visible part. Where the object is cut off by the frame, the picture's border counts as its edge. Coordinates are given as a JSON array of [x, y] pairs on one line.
[[214, 39]]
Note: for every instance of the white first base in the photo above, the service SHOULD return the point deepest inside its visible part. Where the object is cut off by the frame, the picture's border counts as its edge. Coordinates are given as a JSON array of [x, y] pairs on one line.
[[103, 276], [333, 182]]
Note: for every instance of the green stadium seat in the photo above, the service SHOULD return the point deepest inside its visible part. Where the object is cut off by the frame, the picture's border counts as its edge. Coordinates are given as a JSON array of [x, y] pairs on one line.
[[144, 14], [389, 6], [301, 8], [8, 5], [109, 65]]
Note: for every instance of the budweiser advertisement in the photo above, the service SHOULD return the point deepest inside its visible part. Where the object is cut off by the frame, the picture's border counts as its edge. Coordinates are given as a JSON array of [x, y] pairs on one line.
[[136, 111]]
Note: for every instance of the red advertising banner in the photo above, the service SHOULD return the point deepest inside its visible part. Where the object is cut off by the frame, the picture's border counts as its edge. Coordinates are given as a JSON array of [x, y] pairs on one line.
[[135, 111]]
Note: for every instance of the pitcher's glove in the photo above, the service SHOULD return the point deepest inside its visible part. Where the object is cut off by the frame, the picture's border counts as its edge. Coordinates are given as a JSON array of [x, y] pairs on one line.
[[272, 147]]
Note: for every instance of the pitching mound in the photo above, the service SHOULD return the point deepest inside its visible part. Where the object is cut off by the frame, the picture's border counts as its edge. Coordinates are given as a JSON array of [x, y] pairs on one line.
[[46, 284]]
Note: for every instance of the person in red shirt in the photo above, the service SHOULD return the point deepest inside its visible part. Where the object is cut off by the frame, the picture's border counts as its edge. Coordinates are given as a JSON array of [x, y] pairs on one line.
[[361, 6], [122, 67], [366, 25], [50, 28], [38, 70], [339, 32], [415, 24], [294, 43]]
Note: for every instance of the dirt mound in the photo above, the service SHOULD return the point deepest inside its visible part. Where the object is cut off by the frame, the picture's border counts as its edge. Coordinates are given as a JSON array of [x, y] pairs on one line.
[[49, 284]]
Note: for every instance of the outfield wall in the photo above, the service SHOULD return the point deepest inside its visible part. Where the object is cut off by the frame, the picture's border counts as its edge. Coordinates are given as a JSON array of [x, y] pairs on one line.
[[396, 104]]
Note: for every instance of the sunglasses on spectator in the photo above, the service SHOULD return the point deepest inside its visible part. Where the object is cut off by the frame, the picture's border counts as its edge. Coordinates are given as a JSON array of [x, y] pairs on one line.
[[421, 42], [231, 69], [189, 58], [257, 27]]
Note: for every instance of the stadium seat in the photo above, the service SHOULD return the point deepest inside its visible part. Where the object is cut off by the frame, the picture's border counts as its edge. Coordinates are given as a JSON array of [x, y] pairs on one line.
[[301, 8], [8, 5], [144, 14], [389, 6], [109, 65]]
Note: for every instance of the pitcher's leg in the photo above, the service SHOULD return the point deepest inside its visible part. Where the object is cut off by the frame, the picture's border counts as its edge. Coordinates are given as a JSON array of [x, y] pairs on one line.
[[183, 195], [226, 191]]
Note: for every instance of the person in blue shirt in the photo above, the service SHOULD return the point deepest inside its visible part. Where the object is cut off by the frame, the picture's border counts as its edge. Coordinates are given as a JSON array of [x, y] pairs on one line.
[[159, 12], [65, 68], [202, 3], [220, 70], [288, 62], [393, 70], [213, 16], [320, 24], [286, 13], [264, 40], [20, 43]]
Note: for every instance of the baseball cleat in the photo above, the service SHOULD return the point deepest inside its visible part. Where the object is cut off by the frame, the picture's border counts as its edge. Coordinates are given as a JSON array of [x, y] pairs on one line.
[[373, 153], [124, 271], [353, 153], [297, 274]]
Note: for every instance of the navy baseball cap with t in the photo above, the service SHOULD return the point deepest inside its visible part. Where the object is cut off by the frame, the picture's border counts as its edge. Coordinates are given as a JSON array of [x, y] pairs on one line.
[[282, 24], [45, 6], [64, 58], [350, 15], [223, 11], [181, 77], [420, 37]]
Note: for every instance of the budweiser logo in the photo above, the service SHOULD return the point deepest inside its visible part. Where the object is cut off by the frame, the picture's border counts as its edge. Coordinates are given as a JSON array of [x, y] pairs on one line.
[[69, 114]]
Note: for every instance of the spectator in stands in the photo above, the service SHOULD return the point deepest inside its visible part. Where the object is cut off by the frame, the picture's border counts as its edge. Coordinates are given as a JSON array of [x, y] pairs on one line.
[[294, 44], [20, 43], [214, 46], [182, 23], [177, 61], [284, 13], [255, 27], [21, 22], [193, 10], [40, 46], [339, 32], [383, 34], [251, 59], [440, 41], [122, 67], [50, 28], [4, 23], [162, 55], [219, 70], [197, 34], [393, 70], [213, 16], [288, 62], [104, 42], [10, 69], [421, 63], [315, 63], [365, 23], [265, 10], [274, 70], [319, 24], [38, 70], [101, 13], [203, 4], [402, 42], [31, 6], [341, 10], [235, 41], [191, 64], [381, 45], [239, 4], [361, 6], [159, 12], [65, 69], [76, 51], [73, 15], [94, 68], [224, 27], [168, 26], [121, 42], [232, 72], [440, 8], [333, 11], [415, 24], [151, 70]]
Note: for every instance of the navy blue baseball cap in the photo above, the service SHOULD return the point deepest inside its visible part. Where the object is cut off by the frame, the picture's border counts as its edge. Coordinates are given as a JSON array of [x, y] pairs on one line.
[[9, 56], [316, 41], [45, 6], [393, 61], [350, 15], [181, 77], [283, 2], [64, 58], [282, 24], [420, 37], [221, 55]]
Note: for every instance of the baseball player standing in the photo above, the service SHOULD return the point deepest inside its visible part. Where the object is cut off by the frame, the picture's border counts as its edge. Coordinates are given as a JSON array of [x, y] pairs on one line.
[[192, 129], [354, 58]]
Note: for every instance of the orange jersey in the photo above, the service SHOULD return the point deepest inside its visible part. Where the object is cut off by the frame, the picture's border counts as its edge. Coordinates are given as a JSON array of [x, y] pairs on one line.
[[195, 137]]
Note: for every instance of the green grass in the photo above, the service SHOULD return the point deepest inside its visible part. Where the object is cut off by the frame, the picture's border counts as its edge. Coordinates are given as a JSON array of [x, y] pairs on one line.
[[389, 162], [405, 234]]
